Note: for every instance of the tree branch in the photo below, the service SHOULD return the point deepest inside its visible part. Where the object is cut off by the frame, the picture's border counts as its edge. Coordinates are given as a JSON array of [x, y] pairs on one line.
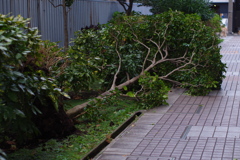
[[60, 5], [119, 64], [123, 5]]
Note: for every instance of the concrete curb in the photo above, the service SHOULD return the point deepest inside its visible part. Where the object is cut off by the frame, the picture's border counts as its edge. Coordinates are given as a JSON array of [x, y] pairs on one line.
[[115, 133]]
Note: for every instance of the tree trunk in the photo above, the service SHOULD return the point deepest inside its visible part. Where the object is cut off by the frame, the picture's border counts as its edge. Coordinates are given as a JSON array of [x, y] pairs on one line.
[[53, 123], [79, 108], [130, 6], [65, 23], [127, 7]]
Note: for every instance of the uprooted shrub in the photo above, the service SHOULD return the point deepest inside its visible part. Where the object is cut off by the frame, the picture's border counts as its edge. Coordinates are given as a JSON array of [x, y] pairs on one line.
[[178, 47], [29, 103]]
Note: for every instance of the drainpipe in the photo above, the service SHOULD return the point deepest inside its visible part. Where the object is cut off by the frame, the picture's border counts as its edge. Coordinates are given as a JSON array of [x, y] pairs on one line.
[[230, 16]]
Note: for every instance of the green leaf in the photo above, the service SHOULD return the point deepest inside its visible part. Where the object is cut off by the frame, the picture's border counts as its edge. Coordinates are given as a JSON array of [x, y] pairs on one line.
[[26, 52], [21, 86], [18, 56], [3, 49], [57, 89], [66, 95], [125, 88], [43, 78], [19, 113], [35, 110], [44, 87], [23, 80], [131, 94], [54, 100], [30, 91], [14, 88], [165, 96], [17, 73]]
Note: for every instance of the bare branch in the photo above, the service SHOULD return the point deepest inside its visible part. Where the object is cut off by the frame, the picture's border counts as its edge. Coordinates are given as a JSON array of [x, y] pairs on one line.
[[119, 64], [178, 68], [123, 5], [60, 5], [149, 49], [159, 45], [139, 91], [148, 52]]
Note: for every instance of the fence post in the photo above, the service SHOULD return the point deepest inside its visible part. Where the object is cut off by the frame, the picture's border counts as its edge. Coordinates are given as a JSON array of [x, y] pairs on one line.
[[230, 16]]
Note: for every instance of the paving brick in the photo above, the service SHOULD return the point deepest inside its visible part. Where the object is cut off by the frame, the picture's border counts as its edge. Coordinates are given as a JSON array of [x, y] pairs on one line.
[[112, 157], [220, 134], [131, 158]]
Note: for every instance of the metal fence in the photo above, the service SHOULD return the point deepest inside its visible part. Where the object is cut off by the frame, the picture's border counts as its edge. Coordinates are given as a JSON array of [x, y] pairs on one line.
[[49, 20]]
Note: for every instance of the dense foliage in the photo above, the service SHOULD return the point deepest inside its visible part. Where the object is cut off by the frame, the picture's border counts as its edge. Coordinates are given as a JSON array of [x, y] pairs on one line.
[[127, 46], [214, 23], [27, 90], [201, 7]]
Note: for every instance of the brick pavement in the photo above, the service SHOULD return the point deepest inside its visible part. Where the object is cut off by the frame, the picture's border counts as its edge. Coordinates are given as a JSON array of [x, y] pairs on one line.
[[190, 128]]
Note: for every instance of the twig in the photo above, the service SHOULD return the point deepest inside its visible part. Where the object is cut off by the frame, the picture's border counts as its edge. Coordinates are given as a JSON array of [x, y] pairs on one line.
[[60, 5], [123, 5]]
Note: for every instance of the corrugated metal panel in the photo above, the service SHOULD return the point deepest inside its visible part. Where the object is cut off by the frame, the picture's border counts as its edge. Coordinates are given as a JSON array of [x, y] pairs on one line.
[[49, 19], [5, 6], [33, 12]]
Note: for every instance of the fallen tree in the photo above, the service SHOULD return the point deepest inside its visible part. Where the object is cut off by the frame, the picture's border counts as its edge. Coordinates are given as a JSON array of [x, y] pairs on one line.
[[179, 48]]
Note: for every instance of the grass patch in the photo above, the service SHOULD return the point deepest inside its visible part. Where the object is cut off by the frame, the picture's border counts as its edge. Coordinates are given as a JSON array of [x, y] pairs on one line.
[[99, 121]]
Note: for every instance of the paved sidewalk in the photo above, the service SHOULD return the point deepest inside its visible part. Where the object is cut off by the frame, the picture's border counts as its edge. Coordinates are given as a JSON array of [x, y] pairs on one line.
[[190, 128]]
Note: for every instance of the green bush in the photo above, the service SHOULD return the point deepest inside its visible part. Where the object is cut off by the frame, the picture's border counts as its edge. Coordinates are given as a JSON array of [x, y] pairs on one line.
[[131, 44], [78, 75], [98, 47], [215, 23], [24, 84]]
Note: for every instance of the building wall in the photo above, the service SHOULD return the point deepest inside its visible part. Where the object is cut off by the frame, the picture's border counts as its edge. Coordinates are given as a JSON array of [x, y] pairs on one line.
[[222, 10], [236, 16]]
